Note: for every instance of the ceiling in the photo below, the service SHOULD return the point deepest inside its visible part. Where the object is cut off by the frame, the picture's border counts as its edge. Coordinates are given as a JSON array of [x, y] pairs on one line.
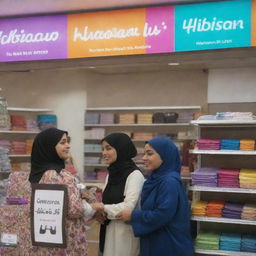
[[37, 7], [210, 59]]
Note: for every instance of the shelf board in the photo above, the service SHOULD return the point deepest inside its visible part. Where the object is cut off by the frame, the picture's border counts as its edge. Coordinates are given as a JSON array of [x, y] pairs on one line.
[[19, 155], [224, 253], [19, 132], [144, 108], [220, 189], [223, 152], [223, 122], [223, 220], [30, 109], [93, 152], [139, 125]]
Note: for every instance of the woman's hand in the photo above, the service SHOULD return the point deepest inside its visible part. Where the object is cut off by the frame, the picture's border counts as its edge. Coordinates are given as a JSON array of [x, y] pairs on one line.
[[99, 207], [124, 215], [100, 217]]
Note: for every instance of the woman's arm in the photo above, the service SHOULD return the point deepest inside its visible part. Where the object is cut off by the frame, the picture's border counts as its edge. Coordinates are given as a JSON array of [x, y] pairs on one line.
[[147, 221], [134, 185], [76, 207]]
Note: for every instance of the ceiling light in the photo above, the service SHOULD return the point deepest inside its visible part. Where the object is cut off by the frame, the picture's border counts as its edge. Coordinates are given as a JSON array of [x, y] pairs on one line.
[[173, 64], [91, 67]]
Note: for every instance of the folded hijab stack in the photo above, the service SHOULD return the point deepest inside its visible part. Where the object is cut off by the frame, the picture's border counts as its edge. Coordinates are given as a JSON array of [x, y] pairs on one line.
[[226, 144], [143, 135], [18, 122], [29, 144], [205, 177], [232, 210], [234, 115], [249, 212], [32, 125], [18, 147], [6, 144], [128, 118], [144, 118], [5, 165], [107, 118], [23, 166], [228, 178], [247, 145], [46, 121], [248, 243], [199, 208], [185, 117], [208, 144], [92, 118], [214, 208], [208, 241], [95, 133], [247, 178], [230, 242]]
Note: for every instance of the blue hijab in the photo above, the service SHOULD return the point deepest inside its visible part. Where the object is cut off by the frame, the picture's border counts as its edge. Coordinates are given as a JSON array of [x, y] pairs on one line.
[[171, 164]]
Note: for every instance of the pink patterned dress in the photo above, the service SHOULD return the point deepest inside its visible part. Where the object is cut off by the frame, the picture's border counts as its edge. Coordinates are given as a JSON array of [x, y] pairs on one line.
[[75, 221]]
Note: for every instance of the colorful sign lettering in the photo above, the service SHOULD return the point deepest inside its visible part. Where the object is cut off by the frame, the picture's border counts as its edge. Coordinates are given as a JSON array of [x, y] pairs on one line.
[[121, 32], [33, 38], [213, 25]]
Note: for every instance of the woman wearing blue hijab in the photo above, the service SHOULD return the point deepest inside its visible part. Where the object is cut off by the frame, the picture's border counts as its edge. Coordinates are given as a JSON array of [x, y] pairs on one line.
[[163, 223]]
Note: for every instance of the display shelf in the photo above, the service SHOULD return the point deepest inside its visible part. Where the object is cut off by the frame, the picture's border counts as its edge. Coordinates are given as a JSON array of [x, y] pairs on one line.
[[19, 155], [221, 190], [139, 125], [224, 253], [223, 220], [223, 152], [29, 109], [18, 132], [145, 108], [221, 123]]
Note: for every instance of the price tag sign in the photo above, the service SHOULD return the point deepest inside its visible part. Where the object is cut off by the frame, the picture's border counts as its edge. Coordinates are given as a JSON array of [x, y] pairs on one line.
[[48, 214], [9, 239]]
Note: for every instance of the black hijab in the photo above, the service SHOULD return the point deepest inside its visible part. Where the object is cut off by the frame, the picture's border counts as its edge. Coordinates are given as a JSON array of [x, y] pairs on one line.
[[118, 173], [44, 156]]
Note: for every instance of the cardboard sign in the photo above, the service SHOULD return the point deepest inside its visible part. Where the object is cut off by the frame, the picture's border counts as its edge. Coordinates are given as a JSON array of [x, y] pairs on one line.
[[49, 204]]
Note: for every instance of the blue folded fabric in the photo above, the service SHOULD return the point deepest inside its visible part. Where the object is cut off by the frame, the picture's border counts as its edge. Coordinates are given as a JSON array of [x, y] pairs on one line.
[[230, 242], [248, 243], [230, 144]]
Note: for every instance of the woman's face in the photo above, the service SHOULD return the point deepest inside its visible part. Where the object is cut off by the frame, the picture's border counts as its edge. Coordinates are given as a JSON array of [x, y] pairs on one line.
[[151, 158], [109, 154], [63, 147]]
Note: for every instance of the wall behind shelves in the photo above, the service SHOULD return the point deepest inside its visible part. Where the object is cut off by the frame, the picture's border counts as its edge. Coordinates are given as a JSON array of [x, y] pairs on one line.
[[68, 92]]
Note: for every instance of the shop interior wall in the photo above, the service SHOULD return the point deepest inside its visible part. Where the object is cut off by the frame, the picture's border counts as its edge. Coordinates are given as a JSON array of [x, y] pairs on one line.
[[232, 89], [68, 92]]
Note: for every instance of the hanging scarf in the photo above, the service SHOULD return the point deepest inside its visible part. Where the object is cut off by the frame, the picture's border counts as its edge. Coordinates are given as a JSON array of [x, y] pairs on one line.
[[171, 164], [118, 173], [44, 156]]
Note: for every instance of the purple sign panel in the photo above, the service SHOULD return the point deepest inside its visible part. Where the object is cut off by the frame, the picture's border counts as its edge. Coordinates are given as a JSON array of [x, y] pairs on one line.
[[33, 38]]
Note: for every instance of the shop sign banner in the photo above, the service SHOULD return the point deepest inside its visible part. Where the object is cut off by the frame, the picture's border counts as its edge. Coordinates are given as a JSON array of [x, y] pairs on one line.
[[33, 38], [48, 214], [121, 32], [213, 25]]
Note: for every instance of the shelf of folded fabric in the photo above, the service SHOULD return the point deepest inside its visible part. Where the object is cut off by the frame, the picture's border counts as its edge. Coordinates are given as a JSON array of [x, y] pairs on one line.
[[223, 220], [224, 122], [139, 125], [29, 109], [144, 108], [221, 189], [19, 155], [224, 253], [223, 152], [19, 132]]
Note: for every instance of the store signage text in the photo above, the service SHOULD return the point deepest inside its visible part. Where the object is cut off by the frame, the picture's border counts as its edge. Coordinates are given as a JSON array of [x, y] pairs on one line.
[[202, 25]]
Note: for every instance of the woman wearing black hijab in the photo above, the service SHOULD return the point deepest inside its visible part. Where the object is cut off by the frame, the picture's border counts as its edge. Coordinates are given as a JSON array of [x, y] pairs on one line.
[[49, 152], [122, 191]]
